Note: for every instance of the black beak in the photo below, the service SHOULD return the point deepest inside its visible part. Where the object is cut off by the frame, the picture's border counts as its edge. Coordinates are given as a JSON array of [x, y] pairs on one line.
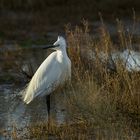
[[49, 46]]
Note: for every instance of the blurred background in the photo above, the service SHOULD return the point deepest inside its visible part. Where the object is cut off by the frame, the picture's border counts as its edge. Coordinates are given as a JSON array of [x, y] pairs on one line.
[[27, 25], [32, 18]]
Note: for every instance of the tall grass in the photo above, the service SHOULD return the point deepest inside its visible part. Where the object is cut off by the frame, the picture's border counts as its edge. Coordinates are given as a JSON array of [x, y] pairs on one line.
[[119, 86], [101, 103], [100, 95]]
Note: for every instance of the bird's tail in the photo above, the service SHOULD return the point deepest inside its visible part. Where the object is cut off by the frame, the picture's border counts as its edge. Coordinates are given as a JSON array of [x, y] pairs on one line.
[[26, 97]]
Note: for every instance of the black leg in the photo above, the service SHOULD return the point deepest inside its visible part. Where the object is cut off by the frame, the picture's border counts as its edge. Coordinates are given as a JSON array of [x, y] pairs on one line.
[[48, 104]]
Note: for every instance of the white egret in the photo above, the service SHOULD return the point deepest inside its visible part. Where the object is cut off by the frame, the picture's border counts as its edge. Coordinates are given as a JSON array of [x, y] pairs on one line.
[[53, 72]]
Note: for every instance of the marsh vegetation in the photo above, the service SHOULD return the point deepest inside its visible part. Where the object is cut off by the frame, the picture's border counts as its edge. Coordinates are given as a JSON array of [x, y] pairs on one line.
[[103, 99], [102, 102]]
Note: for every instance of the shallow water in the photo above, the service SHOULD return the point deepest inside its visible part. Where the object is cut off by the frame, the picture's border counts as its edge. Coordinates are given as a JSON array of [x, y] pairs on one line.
[[13, 112]]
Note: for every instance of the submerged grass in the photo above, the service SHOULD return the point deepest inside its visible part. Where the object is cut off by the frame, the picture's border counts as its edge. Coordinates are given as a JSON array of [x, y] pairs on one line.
[[102, 103]]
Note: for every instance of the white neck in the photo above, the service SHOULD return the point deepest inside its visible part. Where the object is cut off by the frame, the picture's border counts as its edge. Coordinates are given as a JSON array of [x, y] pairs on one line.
[[61, 55]]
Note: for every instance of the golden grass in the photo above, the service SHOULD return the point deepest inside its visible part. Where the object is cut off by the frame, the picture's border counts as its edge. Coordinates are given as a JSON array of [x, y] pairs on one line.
[[101, 103], [100, 95], [121, 85], [79, 130]]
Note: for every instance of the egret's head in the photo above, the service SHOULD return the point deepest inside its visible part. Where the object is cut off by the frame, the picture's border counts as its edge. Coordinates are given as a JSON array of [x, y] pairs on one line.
[[60, 44]]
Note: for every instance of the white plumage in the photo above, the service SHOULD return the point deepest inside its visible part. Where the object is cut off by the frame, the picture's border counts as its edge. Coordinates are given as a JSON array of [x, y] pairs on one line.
[[54, 71]]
